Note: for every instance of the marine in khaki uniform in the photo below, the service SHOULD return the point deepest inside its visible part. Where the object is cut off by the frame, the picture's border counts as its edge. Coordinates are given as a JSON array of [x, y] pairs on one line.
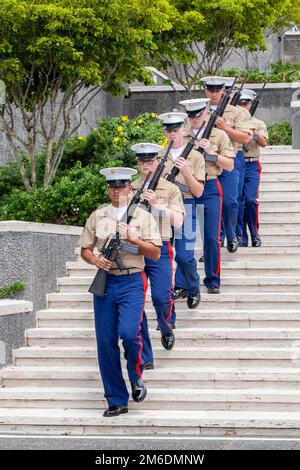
[[249, 205], [167, 208], [190, 180], [119, 313], [236, 125], [220, 145]]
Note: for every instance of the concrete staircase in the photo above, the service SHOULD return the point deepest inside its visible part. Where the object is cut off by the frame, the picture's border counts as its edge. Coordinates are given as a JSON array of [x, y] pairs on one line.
[[235, 369]]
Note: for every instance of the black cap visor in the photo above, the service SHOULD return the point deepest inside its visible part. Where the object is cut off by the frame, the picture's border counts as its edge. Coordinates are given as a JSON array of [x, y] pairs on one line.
[[118, 183], [173, 126], [196, 113]]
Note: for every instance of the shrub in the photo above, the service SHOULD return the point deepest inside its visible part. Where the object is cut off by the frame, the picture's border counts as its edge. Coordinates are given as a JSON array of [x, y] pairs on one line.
[[280, 133], [70, 200], [112, 141]]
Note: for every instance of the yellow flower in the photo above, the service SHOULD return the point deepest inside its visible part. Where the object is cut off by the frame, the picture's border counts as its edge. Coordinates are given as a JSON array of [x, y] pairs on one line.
[[164, 142], [81, 137], [94, 129], [153, 115], [124, 118], [139, 121], [120, 129], [116, 139]]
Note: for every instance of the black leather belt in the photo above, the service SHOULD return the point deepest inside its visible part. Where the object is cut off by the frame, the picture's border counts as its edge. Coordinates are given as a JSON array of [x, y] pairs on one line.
[[251, 159]]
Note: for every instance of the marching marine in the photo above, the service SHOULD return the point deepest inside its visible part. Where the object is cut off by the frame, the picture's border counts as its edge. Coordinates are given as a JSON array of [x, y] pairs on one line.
[[249, 206], [219, 146], [190, 180], [235, 122], [166, 206], [119, 313]]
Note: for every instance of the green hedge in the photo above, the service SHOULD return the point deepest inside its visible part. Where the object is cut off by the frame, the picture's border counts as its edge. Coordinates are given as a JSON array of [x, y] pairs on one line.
[[279, 72], [280, 133]]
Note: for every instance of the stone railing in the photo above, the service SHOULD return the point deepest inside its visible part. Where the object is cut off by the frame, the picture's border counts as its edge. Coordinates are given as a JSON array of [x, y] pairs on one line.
[[295, 105], [15, 317], [35, 254]]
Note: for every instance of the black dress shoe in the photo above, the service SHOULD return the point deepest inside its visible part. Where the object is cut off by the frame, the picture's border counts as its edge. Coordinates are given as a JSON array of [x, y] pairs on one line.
[[193, 300], [232, 245], [256, 241], [213, 290], [201, 259], [148, 365], [139, 390], [241, 243], [179, 293], [115, 410], [222, 244], [168, 341]]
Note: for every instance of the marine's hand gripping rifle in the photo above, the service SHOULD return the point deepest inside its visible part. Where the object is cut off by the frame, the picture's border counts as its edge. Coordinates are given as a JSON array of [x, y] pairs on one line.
[[113, 245], [187, 150]]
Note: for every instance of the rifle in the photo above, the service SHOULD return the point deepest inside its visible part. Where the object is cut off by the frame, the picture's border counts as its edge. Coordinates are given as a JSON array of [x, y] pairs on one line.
[[155, 178], [114, 244], [256, 101], [253, 109], [212, 120], [175, 171], [236, 97]]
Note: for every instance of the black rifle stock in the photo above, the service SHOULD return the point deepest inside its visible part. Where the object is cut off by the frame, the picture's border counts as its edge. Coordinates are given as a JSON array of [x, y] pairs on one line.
[[113, 245], [156, 176], [253, 109], [187, 150]]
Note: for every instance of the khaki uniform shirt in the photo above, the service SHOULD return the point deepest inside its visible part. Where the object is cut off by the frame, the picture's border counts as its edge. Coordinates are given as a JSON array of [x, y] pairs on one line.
[[260, 128], [169, 196], [102, 224], [196, 165], [220, 144], [238, 118]]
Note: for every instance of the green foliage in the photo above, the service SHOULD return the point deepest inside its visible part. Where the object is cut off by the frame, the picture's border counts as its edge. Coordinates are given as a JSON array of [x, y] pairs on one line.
[[280, 133], [112, 141], [279, 72], [11, 290], [69, 200]]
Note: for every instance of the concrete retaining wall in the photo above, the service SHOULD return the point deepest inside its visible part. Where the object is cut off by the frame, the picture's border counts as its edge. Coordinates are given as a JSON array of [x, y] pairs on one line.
[[35, 254], [16, 316]]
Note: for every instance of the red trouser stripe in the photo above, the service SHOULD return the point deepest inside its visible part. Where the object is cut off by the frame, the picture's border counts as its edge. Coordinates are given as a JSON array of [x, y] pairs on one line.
[[170, 249], [219, 227], [138, 366], [256, 225]]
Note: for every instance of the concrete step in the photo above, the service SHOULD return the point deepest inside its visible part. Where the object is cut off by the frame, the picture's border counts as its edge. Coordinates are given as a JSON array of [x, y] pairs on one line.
[[288, 169], [280, 218], [223, 356], [280, 177], [145, 422], [157, 399], [279, 196], [67, 318], [284, 186], [185, 337], [261, 300], [88, 270], [239, 373], [276, 207], [229, 284]]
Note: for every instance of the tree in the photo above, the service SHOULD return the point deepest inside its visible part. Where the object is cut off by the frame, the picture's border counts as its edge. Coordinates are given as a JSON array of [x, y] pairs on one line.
[[222, 26], [55, 56]]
